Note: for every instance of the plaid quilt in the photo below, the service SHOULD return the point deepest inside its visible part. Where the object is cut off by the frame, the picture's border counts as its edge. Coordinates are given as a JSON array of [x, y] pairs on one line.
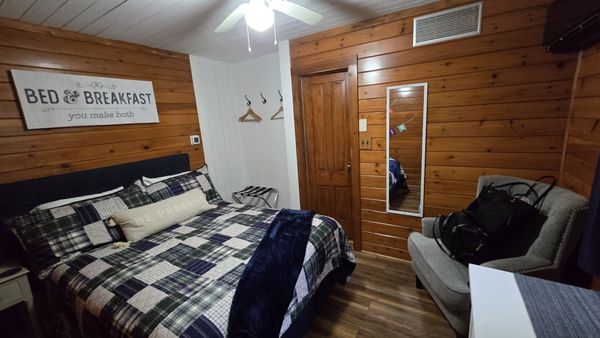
[[179, 184], [54, 235], [180, 282]]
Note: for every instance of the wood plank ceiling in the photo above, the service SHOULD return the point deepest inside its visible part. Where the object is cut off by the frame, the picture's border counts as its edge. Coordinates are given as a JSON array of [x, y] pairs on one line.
[[187, 26]]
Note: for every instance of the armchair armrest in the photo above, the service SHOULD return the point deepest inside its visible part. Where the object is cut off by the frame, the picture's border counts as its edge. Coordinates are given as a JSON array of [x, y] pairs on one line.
[[522, 264], [427, 226]]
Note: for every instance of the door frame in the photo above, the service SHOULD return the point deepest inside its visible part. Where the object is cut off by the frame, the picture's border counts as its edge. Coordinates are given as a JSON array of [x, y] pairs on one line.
[[349, 66]]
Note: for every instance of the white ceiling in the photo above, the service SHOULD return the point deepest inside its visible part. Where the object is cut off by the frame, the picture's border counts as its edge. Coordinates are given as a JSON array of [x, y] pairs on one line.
[[188, 26]]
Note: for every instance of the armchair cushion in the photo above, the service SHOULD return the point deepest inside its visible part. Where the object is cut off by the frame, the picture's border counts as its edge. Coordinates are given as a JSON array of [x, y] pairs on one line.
[[447, 278], [427, 226], [522, 264], [561, 231]]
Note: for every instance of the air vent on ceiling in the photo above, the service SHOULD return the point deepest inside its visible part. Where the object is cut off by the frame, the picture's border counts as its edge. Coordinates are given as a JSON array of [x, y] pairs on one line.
[[447, 25]]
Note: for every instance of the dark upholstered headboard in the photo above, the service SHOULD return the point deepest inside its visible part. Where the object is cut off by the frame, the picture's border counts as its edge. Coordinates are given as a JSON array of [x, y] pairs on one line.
[[20, 197]]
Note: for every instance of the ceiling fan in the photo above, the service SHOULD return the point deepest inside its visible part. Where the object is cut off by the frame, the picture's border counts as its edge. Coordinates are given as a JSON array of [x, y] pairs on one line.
[[260, 16]]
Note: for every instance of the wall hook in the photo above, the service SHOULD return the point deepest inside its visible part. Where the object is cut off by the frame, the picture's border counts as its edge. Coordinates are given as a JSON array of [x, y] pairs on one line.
[[280, 97], [248, 102], [263, 98]]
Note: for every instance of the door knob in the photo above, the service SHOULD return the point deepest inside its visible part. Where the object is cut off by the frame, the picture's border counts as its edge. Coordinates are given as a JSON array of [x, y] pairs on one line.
[[348, 167]]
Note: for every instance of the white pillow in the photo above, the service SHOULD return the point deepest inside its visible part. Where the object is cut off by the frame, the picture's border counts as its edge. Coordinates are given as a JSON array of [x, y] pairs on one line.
[[138, 223], [65, 201], [151, 180]]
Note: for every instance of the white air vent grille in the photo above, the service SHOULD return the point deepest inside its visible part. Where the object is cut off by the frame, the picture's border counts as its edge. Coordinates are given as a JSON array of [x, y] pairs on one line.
[[447, 25]]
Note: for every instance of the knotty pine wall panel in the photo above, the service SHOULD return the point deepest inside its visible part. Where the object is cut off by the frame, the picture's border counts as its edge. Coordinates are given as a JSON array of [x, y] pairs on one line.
[[26, 154], [498, 104]]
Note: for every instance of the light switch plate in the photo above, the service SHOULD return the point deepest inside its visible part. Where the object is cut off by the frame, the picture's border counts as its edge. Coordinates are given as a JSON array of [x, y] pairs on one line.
[[362, 125], [195, 139]]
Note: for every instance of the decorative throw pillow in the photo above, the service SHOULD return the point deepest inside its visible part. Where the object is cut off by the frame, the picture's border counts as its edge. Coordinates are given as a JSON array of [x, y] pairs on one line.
[[151, 180], [53, 235], [65, 201], [179, 184], [138, 223]]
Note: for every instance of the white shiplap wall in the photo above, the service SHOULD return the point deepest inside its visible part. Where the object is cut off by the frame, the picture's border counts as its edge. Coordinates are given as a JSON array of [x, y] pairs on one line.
[[214, 83], [240, 154], [285, 65], [265, 159]]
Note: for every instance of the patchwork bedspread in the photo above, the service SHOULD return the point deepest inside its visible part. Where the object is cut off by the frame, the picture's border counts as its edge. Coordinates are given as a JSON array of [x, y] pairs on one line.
[[181, 281]]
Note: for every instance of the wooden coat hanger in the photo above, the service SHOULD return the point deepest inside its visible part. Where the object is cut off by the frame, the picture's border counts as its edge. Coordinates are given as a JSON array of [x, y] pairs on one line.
[[279, 110], [250, 115]]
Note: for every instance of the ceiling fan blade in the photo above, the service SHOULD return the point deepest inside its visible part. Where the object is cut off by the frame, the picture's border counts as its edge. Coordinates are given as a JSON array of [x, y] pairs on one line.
[[296, 11], [232, 19]]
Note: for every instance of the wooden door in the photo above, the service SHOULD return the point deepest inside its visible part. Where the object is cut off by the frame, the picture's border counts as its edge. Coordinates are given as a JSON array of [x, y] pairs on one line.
[[328, 135]]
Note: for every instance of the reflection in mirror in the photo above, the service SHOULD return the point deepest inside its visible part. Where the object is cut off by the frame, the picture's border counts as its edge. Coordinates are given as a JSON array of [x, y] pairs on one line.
[[406, 123]]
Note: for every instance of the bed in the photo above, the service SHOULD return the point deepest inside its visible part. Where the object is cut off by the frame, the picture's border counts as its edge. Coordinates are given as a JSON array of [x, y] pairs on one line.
[[177, 282]]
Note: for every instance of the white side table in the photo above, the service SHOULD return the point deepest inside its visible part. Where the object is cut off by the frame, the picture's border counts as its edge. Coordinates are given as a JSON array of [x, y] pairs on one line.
[[15, 289], [506, 305], [497, 308]]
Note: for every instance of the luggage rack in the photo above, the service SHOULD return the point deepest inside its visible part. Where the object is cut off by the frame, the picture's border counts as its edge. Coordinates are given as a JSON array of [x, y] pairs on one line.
[[256, 192]]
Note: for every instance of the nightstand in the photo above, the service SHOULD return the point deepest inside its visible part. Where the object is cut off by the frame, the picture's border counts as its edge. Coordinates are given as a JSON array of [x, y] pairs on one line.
[[15, 289]]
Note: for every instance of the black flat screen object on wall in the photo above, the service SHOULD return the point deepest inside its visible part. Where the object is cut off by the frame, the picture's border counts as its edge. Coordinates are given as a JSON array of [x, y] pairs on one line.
[[572, 25]]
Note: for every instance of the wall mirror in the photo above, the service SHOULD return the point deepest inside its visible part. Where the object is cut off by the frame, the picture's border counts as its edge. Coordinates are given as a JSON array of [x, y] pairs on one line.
[[406, 139]]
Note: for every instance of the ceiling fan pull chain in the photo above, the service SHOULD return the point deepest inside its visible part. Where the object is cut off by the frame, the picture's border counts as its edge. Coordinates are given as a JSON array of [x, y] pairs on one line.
[[248, 36]]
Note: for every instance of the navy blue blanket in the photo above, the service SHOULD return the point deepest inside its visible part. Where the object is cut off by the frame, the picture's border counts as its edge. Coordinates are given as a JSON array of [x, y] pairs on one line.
[[267, 283], [589, 253]]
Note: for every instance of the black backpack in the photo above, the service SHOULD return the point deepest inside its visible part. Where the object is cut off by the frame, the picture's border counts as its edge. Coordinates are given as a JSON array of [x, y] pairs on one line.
[[497, 224]]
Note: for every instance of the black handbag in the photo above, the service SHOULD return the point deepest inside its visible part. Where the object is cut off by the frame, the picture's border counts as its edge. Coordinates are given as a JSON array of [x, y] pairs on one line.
[[461, 237], [497, 224]]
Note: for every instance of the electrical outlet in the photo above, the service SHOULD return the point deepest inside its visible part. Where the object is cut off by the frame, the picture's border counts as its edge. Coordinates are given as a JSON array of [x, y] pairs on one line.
[[195, 139], [365, 143]]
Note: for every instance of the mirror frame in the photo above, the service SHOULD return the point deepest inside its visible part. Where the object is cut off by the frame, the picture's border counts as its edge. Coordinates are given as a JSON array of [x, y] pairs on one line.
[[423, 152]]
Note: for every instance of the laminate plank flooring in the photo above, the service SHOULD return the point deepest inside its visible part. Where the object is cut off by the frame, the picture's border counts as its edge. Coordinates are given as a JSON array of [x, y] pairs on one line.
[[407, 201], [380, 300]]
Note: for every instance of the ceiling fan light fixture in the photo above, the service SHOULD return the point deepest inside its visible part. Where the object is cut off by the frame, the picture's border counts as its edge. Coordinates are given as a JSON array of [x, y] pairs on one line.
[[259, 16]]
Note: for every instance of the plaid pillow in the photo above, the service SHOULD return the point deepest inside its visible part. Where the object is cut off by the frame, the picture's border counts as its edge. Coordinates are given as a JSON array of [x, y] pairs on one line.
[[179, 184], [54, 235]]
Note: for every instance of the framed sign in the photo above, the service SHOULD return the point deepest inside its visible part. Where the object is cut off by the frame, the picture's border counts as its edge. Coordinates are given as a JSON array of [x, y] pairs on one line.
[[51, 100]]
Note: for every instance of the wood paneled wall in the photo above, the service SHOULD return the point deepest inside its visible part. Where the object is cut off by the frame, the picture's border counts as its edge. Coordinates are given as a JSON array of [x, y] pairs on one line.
[[26, 154], [582, 147], [498, 104]]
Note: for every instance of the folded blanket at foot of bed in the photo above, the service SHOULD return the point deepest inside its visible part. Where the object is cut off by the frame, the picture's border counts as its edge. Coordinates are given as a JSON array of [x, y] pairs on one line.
[[267, 283]]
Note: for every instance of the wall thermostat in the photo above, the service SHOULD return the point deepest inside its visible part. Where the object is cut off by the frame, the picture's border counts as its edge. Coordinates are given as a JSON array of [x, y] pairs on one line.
[[194, 139]]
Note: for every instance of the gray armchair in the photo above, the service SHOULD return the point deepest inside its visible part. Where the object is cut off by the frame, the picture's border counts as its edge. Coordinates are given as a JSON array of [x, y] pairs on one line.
[[447, 281]]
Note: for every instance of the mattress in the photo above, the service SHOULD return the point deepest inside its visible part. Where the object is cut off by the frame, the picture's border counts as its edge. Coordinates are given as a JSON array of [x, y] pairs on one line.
[[181, 281]]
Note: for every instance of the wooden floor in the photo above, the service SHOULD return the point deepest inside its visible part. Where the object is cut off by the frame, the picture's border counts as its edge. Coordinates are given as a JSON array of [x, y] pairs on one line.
[[409, 201], [380, 301]]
